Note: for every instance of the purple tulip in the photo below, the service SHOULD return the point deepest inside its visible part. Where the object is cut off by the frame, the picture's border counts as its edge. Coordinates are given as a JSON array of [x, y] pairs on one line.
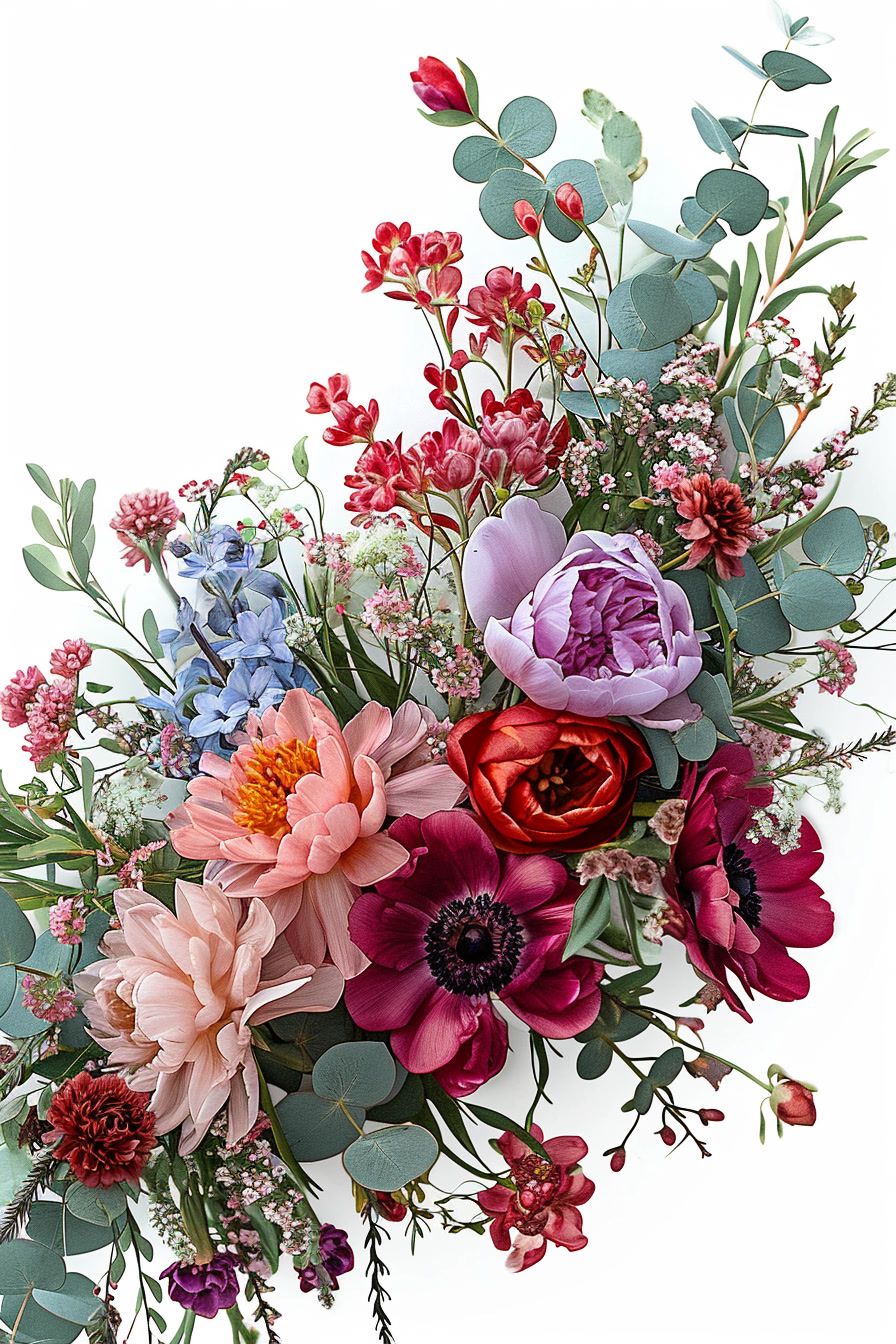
[[204, 1289], [587, 625]]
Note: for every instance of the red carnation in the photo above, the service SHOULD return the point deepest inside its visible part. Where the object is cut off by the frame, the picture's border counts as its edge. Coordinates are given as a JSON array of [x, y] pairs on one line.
[[103, 1129], [719, 524]]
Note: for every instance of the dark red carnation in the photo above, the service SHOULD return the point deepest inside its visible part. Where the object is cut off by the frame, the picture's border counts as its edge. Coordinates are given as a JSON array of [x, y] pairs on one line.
[[101, 1128], [718, 523], [547, 781]]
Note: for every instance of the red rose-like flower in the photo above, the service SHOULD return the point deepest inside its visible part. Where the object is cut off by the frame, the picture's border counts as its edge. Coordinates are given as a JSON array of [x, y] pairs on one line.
[[793, 1103], [103, 1129], [438, 87], [543, 1204], [543, 780], [719, 524]]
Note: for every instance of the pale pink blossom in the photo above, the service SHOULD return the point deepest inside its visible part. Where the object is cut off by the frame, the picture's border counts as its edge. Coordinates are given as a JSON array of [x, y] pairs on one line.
[[176, 995], [72, 656], [19, 694], [144, 520]]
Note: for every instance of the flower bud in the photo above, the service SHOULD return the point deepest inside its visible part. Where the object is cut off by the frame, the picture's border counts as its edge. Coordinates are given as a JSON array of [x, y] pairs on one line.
[[793, 1103], [617, 1161], [708, 1116], [526, 217], [667, 1134], [569, 201], [438, 88]]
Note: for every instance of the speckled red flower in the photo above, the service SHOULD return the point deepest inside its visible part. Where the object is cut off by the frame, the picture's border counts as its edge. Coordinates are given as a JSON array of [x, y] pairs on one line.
[[718, 523], [103, 1129]]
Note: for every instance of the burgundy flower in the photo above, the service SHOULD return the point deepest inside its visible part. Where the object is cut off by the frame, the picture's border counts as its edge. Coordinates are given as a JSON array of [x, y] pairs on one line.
[[101, 1128], [336, 1256], [204, 1289], [457, 924], [718, 523], [793, 1103], [544, 1203], [739, 904], [438, 87]]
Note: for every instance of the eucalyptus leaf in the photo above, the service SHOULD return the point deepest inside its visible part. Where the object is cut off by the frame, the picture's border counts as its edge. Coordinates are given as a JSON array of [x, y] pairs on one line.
[[647, 311], [16, 932], [637, 364], [790, 71], [836, 541], [527, 126], [667, 243], [26, 1265], [664, 753], [699, 222], [591, 916], [359, 1073], [477, 157], [711, 692], [696, 741], [102, 1205], [746, 62], [35, 1325], [699, 294], [622, 141], [757, 417], [594, 1058], [713, 134], [316, 1128], [616, 187], [738, 198], [75, 1301], [812, 599], [761, 625], [667, 1067], [54, 1225], [391, 1158]]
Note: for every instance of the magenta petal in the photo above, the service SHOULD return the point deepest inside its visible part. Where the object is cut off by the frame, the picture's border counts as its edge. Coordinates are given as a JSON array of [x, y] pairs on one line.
[[506, 556], [382, 999], [439, 1028], [531, 881], [562, 1001], [479, 1058], [391, 935]]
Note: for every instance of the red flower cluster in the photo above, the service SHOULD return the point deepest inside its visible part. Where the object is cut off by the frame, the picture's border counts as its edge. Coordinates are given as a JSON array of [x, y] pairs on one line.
[[403, 258], [101, 1128], [354, 424], [491, 305]]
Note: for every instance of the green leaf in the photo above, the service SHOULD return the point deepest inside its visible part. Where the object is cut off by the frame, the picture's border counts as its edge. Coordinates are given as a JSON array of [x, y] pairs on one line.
[[738, 198], [100, 1204], [734, 293], [391, 1158], [666, 1069], [713, 134], [300, 458], [16, 933], [762, 627], [527, 126], [82, 515], [746, 62], [643, 1098], [501, 193], [758, 422], [583, 176], [785, 299], [42, 481], [447, 117], [615, 184], [26, 1265], [711, 692], [75, 1301], [471, 87], [44, 528], [72, 1236], [41, 565], [837, 542], [791, 72], [316, 1128], [665, 756], [699, 223], [647, 311], [637, 364], [696, 741], [594, 1058], [736, 126], [749, 289], [811, 253], [590, 917], [597, 107], [822, 217], [477, 157], [151, 633], [669, 244], [359, 1073], [498, 1121], [812, 599], [622, 141]]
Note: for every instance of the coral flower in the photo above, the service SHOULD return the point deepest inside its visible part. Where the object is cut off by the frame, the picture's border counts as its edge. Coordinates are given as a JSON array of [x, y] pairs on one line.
[[544, 1203], [101, 1128], [296, 815], [718, 523], [143, 521], [175, 998], [737, 903], [459, 923]]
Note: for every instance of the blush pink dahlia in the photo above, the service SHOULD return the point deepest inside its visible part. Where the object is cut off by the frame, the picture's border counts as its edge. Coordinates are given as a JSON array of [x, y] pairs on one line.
[[457, 924], [296, 815], [737, 903], [543, 1203], [143, 521], [176, 995]]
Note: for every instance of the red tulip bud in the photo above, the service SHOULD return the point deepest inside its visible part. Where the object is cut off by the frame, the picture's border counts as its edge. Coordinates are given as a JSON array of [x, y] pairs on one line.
[[570, 202], [438, 87], [707, 1116], [793, 1103], [617, 1161], [526, 217]]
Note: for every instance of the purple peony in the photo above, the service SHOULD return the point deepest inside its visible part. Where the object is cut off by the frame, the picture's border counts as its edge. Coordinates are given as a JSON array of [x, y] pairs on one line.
[[204, 1289], [336, 1256], [587, 625]]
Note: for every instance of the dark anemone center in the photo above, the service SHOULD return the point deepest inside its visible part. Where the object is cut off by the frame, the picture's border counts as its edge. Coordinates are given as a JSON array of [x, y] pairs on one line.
[[742, 880], [473, 945]]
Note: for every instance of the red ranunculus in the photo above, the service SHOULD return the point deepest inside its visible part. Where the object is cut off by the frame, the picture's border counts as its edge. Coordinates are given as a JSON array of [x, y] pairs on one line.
[[101, 1128], [542, 780]]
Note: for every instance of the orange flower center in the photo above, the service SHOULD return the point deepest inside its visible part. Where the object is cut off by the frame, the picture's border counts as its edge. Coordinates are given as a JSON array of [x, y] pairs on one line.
[[271, 775]]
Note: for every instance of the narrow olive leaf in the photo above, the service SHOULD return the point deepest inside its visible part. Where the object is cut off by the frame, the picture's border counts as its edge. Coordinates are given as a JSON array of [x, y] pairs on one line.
[[41, 565], [42, 481], [590, 917], [44, 528], [471, 86]]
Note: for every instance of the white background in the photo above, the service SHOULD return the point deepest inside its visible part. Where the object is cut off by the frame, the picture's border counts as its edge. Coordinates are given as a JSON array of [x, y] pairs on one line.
[[187, 187]]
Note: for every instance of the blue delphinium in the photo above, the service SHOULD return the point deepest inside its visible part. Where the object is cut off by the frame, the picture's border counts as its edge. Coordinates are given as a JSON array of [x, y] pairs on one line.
[[259, 635], [221, 710]]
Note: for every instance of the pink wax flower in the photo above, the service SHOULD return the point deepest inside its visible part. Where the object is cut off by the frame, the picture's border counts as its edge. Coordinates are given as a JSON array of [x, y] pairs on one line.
[[458, 923], [67, 921], [72, 656], [144, 520], [175, 997], [50, 717], [19, 695], [296, 815]]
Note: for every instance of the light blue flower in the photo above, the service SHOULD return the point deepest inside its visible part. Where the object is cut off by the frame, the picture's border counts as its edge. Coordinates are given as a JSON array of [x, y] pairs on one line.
[[222, 710], [259, 635]]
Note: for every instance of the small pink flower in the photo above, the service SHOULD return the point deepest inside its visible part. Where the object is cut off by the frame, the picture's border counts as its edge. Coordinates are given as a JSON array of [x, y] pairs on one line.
[[668, 820], [144, 520], [47, 998], [50, 717], [72, 656], [19, 695], [67, 921], [838, 666]]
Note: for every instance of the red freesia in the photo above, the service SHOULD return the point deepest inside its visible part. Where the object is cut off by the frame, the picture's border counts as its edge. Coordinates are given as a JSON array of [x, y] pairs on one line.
[[543, 1204], [354, 424], [438, 87], [737, 903], [542, 780], [451, 456], [101, 1128], [490, 305], [517, 438], [718, 523], [569, 200], [526, 217], [457, 924]]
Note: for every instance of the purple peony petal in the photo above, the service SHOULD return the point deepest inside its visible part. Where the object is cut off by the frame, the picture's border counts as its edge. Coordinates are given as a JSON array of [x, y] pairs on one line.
[[506, 556]]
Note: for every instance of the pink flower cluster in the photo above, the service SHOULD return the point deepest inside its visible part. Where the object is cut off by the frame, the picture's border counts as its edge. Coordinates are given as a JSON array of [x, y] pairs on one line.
[[46, 708], [143, 522], [48, 998], [67, 921], [838, 667]]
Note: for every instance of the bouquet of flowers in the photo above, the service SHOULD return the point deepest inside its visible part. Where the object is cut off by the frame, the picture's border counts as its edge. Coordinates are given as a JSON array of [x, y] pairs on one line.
[[360, 807]]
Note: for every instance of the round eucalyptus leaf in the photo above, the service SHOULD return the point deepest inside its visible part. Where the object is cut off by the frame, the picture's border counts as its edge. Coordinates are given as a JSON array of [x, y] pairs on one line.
[[696, 741], [501, 193], [583, 176], [699, 222], [96, 1204], [75, 1301], [316, 1128], [477, 157], [791, 72], [404, 1105], [89, 949], [359, 1073], [637, 364], [527, 126], [812, 599], [29, 1264], [71, 1237], [713, 696], [313, 1033], [622, 141], [391, 1158], [698, 293], [761, 625], [696, 589], [665, 756], [647, 311], [585, 406], [757, 416], [36, 1325], [16, 933], [836, 541], [8, 983], [738, 198], [669, 244], [595, 1057]]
